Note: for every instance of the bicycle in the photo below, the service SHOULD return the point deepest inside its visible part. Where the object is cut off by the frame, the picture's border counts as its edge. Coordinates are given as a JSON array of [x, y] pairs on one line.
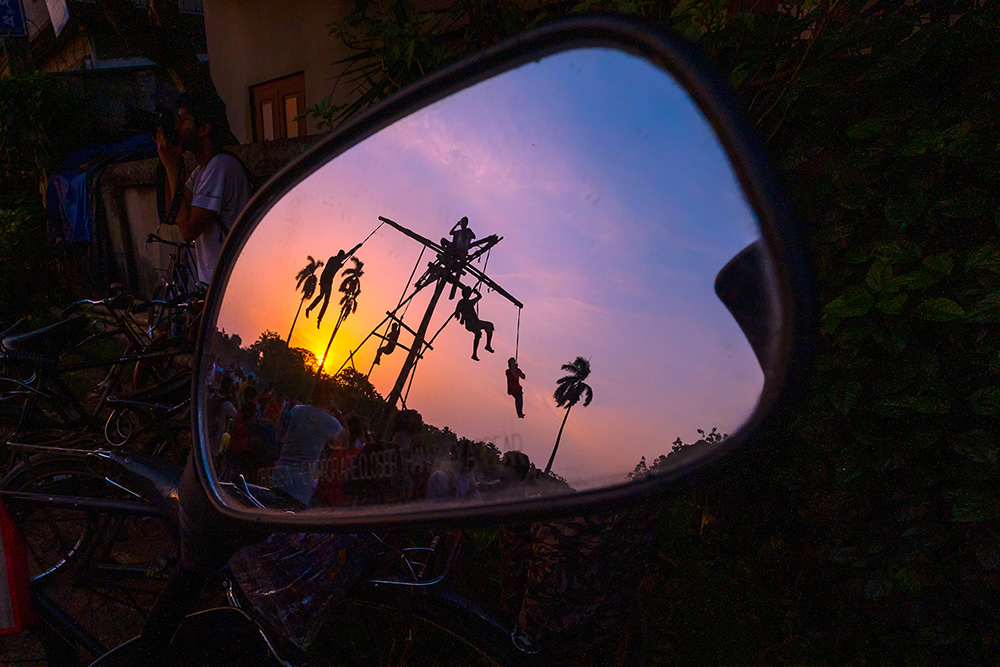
[[99, 553], [46, 370], [179, 285], [90, 519]]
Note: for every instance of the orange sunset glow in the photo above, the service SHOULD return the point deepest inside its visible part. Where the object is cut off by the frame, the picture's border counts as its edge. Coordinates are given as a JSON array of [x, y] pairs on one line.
[[616, 209]]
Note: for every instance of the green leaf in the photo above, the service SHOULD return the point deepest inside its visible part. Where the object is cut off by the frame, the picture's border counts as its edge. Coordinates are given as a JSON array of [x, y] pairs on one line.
[[845, 395], [918, 143], [940, 309], [904, 210], [986, 401], [986, 258], [897, 252], [928, 405], [892, 305], [986, 311], [974, 506], [964, 205], [978, 447], [853, 302], [739, 74], [870, 128], [906, 581], [931, 405], [943, 263], [879, 277], [916, 280], [986, 546], [878, 587]]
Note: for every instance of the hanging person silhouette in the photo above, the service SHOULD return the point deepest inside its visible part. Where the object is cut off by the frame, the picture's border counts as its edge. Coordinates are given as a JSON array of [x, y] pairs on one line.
[[465, 311], [514, 377], [333, 266], [391, 340]]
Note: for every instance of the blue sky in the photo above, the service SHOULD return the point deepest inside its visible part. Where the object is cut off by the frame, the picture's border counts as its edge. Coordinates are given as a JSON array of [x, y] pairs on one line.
[[617, 207]]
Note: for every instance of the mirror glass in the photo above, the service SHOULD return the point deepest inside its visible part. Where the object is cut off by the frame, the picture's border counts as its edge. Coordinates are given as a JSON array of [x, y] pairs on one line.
[[509, 293]]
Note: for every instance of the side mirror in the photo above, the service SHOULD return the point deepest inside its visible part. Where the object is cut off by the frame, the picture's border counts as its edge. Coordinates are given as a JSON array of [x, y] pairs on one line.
[[577, 226]]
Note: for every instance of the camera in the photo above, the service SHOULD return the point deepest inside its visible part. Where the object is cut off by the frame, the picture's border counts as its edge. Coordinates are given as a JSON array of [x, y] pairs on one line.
[[150, 121]]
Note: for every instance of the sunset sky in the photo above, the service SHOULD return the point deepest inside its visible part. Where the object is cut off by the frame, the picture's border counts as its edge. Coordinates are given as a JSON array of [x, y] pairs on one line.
[[617, 208]]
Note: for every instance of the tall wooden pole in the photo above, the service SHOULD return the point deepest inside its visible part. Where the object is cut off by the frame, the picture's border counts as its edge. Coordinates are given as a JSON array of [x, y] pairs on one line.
[[418, 344]]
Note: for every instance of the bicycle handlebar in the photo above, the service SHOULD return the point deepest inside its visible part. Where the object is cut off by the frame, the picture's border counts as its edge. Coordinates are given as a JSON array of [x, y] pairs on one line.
[[153, 238], [114, 301]]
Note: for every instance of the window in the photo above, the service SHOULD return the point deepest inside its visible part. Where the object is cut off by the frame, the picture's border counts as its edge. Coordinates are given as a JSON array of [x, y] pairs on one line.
[[276, 104]]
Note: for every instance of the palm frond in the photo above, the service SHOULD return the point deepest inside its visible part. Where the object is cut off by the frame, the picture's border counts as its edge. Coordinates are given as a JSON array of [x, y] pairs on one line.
[[571, 388], [310, 287]]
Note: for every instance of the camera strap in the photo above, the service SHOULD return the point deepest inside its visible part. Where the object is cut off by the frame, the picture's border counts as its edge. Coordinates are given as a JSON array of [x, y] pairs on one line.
[[175, 206]]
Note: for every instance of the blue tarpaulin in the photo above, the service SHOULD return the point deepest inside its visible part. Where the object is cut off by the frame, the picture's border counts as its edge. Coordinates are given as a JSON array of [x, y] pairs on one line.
[[71, 194]]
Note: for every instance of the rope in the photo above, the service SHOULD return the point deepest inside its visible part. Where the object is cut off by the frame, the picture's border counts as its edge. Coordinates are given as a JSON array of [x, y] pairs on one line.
[[485, 266], [373, 233], [517, 340], [434, 338], [407, 285], [402, 296]]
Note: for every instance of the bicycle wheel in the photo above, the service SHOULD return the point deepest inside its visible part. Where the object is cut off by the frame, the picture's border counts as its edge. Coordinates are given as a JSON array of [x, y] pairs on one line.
[[21, 412], [103, 570], [407, 629]]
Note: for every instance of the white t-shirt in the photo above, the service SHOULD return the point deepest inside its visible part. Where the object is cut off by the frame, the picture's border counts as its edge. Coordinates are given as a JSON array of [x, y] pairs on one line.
[[309, 429], [221, 187]]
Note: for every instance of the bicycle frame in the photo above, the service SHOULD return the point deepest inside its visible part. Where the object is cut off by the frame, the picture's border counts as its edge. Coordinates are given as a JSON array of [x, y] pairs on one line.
[[176, 285], [46, 380]]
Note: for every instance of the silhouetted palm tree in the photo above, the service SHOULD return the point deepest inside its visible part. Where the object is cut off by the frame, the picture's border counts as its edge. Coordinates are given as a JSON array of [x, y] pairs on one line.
[[569, 390], [350, 287], [306, 280]]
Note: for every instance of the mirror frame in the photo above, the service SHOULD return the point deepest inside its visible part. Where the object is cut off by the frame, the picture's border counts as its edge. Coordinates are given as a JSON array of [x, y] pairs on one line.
[[763, 189]]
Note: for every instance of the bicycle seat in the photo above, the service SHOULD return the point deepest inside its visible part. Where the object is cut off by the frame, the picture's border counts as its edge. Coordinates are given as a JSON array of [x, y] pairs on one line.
[[51, 340]]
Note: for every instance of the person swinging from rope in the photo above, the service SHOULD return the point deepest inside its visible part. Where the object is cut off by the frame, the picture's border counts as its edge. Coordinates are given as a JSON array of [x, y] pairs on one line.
[[465, 311], [333, 266], [391, 339], [514, 377]]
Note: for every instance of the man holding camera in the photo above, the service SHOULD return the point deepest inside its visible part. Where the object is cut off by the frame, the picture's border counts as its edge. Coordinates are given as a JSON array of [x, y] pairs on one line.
[[216, 190]]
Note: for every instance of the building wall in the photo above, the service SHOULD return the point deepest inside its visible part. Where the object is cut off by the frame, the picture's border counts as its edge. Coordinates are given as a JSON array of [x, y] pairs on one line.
[[254, 41], [74, 55]]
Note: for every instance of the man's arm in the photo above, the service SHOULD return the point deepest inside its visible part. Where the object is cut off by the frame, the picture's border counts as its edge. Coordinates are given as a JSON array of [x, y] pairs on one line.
[[338, 441], [192, 221]]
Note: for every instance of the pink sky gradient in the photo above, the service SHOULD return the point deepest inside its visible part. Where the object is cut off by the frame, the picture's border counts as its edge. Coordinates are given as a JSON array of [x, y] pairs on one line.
[[613, 248]]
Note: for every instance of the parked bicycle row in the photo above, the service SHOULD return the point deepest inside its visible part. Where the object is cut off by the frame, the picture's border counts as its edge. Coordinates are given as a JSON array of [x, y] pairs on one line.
[[114, 371]]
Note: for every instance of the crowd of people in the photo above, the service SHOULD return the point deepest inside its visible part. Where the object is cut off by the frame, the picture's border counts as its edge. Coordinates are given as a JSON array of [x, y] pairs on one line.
[[314, 454]]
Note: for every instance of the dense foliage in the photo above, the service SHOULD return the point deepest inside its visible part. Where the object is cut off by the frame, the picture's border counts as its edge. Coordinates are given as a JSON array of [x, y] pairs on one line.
[[34, 110], [867, 530]]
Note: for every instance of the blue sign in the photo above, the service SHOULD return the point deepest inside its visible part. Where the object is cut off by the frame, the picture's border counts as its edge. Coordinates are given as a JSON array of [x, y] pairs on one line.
[[12, 22]]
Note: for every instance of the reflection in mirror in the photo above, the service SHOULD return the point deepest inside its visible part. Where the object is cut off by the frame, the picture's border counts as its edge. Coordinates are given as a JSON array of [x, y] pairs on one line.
[[518, 290]]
